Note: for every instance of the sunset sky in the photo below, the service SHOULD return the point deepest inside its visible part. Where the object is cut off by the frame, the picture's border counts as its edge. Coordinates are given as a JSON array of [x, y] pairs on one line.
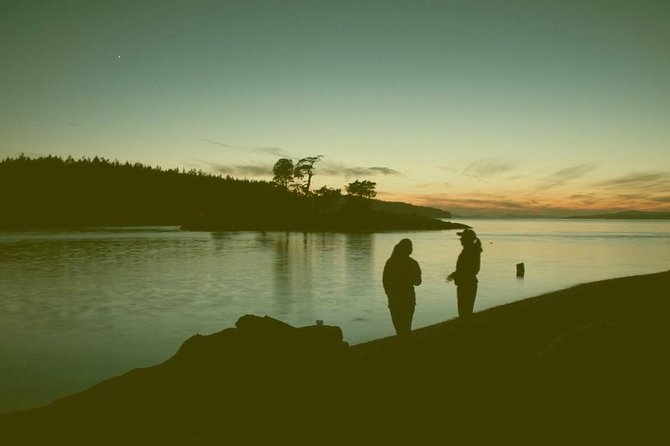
[[478, 107]]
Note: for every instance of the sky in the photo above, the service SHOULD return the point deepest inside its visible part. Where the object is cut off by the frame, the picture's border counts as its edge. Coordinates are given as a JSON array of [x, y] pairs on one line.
[[482, 108]]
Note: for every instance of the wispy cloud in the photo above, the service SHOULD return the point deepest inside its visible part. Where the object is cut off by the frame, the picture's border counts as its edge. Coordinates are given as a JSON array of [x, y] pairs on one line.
[[478, 202], [636, 196], [228, 146], [274, 151], [483, 202], [639, 179], [566, 175], [439, 184], [582, 200], [255, 170], [341, 170], [384, 170], [531, 203], [497, 206], [487, 168]]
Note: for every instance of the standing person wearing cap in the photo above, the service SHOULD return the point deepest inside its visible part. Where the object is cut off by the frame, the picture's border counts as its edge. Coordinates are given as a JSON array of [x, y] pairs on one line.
[[401, 274], [465, 276]]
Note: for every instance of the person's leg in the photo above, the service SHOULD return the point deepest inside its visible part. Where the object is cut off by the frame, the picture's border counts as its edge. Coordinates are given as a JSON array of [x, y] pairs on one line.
[[460, 299], [410, 316], [472, 294], [396, 318], [402, 315], [465, 295]]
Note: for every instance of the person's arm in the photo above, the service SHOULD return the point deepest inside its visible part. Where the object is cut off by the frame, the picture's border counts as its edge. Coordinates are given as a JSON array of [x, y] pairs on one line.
[[458, 270], [417, 275], [390, 278]]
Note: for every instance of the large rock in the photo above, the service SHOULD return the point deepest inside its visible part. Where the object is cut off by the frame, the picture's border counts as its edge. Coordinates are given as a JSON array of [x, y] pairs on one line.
[[260, 339], [263, 369]]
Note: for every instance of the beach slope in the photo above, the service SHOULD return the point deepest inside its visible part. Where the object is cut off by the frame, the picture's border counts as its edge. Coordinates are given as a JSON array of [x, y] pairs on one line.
[[583, 365]]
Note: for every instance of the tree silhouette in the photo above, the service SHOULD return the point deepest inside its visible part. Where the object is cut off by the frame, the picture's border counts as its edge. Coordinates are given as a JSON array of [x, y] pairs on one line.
[[283, 173], [328, 192], [364, 189], [305, 167]]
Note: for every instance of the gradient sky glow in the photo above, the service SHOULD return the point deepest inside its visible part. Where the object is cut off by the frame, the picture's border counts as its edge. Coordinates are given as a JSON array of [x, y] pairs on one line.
[[478, 107]]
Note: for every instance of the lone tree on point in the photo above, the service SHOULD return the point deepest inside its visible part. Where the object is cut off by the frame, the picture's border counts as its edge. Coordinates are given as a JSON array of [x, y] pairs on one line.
[[305, 167]]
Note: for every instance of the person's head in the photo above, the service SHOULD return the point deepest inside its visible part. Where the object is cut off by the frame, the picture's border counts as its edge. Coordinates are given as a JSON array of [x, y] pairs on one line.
[[403, 248], [467, 235], [469, 238]]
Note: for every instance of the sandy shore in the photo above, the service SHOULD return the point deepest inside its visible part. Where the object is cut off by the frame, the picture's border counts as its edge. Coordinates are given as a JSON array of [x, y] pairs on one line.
[[585, 365]]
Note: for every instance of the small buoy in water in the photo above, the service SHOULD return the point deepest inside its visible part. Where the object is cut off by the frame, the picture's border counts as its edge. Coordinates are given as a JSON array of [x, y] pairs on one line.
[[520, 270], [319, 322]]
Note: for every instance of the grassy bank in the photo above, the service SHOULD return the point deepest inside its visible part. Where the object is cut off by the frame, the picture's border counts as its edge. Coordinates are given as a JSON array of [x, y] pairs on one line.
[[583, 365]]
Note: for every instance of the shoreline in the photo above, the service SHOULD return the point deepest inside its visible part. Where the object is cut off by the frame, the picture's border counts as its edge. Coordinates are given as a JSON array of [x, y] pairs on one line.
[[351, 221], [582, 362], [401, 223]]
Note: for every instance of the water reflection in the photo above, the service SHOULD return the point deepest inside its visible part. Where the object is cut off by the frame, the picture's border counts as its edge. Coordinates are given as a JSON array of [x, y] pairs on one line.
[[294, 271], [101, 302], [283, 288], [220, 239], [313, 269], [359, 264]]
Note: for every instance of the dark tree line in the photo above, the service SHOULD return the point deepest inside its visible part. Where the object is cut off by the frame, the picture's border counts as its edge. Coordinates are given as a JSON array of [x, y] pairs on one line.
[[49, 191]]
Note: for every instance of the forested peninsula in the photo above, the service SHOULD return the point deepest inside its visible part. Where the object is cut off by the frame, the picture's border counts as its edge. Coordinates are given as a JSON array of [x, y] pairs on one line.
[[51, 192]]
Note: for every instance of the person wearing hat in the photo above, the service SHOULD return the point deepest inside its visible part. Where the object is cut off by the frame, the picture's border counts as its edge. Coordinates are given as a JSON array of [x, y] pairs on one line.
[[465, 276], [401, 274]]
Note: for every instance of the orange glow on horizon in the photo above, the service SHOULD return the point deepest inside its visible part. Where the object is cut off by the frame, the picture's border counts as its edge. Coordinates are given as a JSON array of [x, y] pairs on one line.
[[504, 205]]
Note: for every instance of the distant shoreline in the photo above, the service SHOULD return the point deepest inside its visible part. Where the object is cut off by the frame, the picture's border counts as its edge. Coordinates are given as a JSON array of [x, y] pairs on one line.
[[628, 215]]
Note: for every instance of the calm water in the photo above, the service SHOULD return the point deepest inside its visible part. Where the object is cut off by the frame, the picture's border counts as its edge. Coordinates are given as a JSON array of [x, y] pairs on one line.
[[77, 307]]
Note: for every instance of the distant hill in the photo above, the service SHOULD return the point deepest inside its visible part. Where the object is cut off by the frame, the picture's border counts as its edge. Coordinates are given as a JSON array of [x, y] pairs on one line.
[[396, 207], [638, 215], [52, 192]]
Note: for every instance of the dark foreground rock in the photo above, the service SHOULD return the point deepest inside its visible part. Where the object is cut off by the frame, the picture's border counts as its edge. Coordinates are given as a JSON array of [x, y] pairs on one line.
[[243, 381], [586, 365]]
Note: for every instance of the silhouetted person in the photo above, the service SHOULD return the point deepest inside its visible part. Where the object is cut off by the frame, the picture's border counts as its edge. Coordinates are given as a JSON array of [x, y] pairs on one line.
[[465, 276], [401, 274]]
